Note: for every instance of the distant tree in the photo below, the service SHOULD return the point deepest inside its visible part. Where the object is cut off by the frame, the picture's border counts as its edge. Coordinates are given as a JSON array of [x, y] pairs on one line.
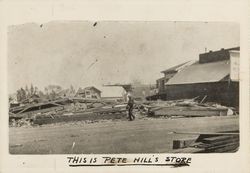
[[53, 95], [72, 89], [46, 91], [136, 82], [55, 88], [27, 91], [41, 94], [36, 90], [18, 95], [52, 91], [10, 98], [32, 89], [21, 95]]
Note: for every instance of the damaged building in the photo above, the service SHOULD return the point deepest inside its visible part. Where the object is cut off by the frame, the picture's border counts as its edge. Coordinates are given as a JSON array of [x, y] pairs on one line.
[[213, 78], [89, 92]]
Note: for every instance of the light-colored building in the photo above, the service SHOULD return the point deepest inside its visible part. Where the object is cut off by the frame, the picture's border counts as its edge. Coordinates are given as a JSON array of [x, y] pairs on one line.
[[113, 93]]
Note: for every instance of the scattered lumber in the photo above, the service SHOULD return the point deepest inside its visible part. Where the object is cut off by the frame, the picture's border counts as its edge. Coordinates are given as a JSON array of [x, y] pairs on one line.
[[75, 106], [209, 134], [209, 143], [77, 117], [189, 150], [186, 112], [185, 108], [67, 109], [203, 99]]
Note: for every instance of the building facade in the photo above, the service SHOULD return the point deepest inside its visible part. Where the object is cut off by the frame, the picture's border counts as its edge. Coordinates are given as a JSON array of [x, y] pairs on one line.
[[214, 77]]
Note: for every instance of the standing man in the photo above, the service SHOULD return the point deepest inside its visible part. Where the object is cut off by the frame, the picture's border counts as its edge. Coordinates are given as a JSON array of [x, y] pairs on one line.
[[130, 107]]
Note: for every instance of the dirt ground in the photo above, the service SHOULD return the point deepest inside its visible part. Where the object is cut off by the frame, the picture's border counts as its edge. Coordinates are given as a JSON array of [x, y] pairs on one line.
[[117, 136]]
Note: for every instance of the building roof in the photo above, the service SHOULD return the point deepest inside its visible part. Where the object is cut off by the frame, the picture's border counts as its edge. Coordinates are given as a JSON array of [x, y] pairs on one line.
[[80, 90], [175, 68], [202, 73], [166, 76], [92, 87]]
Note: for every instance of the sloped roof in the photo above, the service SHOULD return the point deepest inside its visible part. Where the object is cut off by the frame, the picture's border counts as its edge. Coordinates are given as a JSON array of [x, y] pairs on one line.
[[201, 73], [175, 68], [91, 87], [80, 90]]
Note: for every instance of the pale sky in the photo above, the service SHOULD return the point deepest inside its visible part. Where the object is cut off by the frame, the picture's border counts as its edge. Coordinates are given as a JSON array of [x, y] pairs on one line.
[[81, 54]]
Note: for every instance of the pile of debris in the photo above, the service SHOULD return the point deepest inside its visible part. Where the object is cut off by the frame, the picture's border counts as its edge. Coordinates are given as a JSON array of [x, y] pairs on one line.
[[65, 110], [23, 122], [185, 108], [79, 109]]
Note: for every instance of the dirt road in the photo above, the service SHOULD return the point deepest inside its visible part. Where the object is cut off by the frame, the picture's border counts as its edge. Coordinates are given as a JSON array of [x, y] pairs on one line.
[[139, 136]]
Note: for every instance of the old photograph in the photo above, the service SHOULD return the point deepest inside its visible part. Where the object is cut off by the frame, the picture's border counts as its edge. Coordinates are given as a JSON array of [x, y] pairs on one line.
[[123, 87]]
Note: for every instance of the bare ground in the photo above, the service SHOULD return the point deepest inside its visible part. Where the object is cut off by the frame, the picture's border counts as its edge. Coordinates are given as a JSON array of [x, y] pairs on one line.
[[117, 136]]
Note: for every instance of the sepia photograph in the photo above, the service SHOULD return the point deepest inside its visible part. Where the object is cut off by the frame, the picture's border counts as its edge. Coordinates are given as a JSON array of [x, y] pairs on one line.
[[123, 87]]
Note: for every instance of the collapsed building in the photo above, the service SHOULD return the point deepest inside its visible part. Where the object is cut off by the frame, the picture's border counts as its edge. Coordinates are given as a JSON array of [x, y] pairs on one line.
[[213, 78]]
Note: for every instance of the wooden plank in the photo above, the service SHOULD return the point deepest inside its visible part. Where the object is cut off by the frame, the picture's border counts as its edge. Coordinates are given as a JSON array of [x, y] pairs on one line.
[[236, 144], [189, 150], [204, 133], [184, 112], [217, 139], [217, 144], [231, 149]]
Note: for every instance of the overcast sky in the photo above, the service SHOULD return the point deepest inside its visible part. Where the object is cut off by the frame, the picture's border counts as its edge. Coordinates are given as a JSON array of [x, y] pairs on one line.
[[82, 54]]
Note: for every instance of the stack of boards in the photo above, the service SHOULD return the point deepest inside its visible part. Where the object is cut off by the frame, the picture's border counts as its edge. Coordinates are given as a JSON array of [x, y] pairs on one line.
[[209, 144]]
